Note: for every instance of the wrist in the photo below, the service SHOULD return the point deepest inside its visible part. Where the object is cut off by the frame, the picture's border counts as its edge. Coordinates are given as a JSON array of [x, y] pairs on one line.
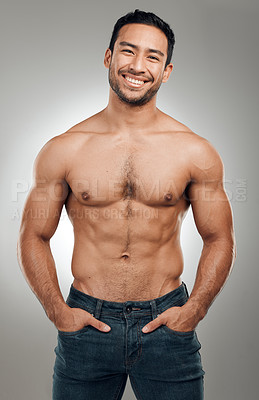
[[55, 315], [196, 309]]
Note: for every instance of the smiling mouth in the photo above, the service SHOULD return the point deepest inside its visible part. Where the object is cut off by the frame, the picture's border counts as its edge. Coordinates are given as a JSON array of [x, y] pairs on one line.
[[134, 82]]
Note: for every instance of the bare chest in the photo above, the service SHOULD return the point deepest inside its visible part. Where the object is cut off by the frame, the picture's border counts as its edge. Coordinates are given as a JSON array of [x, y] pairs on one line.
[[150, 174]]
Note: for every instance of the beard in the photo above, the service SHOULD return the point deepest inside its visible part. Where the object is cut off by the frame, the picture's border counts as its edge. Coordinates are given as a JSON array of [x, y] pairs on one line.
[[139, 100]]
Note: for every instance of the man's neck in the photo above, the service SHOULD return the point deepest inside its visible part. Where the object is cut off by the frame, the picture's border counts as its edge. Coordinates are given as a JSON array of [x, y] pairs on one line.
[[126, 118]]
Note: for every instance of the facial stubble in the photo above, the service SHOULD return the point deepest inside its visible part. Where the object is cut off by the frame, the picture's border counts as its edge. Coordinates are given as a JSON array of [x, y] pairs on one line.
[[136, 101]]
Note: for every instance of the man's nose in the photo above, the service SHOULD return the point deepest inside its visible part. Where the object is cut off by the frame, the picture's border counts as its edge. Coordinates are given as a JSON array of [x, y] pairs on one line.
[[138, 64]]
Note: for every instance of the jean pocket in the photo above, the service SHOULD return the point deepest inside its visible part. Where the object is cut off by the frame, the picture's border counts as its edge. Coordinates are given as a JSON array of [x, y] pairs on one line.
[[74, 333], [178, 333]]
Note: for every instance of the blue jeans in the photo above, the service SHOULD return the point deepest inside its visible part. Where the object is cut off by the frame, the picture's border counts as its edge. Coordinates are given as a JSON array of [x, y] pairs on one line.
[[94, 365]]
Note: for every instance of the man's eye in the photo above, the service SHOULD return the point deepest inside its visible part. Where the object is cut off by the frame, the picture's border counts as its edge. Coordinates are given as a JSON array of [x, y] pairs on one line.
[[128, 51], [154, 58]]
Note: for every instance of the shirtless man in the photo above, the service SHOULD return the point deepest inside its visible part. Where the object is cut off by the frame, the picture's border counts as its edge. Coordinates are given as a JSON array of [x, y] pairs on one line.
[[127, 177]]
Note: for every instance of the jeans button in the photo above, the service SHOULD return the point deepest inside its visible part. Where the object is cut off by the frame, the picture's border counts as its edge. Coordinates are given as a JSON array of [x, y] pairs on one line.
[[128, 309]]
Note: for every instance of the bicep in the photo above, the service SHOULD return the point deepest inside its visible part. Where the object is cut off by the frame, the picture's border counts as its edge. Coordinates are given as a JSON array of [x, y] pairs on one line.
[[42, 210], [211, 211], [210, 205], [47, 196]]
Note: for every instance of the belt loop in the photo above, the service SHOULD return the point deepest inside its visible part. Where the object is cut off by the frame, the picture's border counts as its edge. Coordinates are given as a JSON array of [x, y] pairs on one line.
[[154, 309], [98, 308]]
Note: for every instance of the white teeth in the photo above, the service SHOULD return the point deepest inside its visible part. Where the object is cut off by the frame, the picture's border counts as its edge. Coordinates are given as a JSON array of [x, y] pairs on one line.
[[134, 81]]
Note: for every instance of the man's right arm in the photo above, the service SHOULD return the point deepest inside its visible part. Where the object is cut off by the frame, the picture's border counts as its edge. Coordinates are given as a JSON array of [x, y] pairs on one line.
[[40, 219]]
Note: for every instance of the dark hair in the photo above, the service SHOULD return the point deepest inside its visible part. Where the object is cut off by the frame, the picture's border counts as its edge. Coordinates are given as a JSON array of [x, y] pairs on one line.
[[146, 18]]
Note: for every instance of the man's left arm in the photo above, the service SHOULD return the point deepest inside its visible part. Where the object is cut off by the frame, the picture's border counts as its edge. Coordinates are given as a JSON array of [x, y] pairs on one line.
[[214, 221]]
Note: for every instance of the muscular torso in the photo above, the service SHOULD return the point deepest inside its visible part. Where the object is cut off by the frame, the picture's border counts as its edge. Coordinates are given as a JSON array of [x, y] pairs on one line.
[[127, 201]]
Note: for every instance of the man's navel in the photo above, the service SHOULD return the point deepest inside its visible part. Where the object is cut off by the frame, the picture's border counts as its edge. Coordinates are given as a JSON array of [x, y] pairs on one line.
[[125, 256]]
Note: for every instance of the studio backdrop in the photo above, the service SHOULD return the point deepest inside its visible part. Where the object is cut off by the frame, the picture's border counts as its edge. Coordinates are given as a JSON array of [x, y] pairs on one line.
[[52, 77]]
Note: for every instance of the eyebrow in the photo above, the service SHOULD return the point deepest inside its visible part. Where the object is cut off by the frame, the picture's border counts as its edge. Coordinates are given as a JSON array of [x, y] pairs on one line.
[[137, 48]]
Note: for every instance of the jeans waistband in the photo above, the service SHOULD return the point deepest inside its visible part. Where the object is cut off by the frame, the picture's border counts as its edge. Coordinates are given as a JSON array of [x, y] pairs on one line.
[[152, 307]]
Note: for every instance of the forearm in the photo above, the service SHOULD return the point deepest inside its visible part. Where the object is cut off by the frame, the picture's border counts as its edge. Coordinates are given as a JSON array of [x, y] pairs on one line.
[[38, 266], [214, 267]]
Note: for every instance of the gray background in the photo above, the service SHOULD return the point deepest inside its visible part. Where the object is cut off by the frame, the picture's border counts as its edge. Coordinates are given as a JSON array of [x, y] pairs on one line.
[[53, 77]]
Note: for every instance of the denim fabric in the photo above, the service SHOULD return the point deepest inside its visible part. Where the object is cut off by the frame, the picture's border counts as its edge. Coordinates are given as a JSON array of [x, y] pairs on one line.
[[94, 365]]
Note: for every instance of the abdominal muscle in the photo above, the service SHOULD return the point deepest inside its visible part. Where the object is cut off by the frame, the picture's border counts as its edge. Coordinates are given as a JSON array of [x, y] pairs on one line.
[[146, 270]]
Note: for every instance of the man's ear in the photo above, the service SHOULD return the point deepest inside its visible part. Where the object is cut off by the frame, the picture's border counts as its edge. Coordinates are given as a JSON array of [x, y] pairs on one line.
[[167, 72], [107, 58]]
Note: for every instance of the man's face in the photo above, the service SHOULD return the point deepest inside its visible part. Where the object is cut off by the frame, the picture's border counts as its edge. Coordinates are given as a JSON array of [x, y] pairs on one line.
[[137, 64]]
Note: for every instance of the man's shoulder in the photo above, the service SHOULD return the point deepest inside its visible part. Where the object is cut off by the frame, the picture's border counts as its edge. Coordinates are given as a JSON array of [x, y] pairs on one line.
[[184, 133], [57, 147], [91, 125], [56, 152], [204, 160], [70, 139], [199, 151]]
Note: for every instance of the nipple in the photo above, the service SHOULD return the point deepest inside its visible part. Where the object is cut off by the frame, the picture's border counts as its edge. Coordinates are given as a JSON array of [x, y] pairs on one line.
[[168, 196], [85, 196]]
